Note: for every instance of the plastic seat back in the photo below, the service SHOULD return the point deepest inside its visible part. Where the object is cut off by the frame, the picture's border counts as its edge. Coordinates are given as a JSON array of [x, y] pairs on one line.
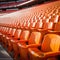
[[13, 32], [51, 42], [57, 27], [17, 34], [55, 19], [48, 26], [32, 25], [39, 24], [10, 31], [7, 29], [35, 38], [24, 35]]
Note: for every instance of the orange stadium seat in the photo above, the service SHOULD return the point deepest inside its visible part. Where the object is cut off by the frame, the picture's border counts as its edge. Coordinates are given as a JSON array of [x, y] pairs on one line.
[[48, 26], [39, 25], [8, 37], [34, 39], [23, 37], [49, 49], [57, 26]]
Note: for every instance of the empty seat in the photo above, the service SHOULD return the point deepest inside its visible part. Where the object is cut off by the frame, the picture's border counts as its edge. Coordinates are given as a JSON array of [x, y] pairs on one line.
[[27, 25], [57, 27], [35, 39], [48, 26], [39, 25], [1, 33], [10, 35], [23, 37], [4, 29], [4, 36], [50, 48], [32, 25], [55, 18]]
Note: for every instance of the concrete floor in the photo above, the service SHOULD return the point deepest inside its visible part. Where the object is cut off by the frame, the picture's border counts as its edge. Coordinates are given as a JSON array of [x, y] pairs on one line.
[[4, 55]]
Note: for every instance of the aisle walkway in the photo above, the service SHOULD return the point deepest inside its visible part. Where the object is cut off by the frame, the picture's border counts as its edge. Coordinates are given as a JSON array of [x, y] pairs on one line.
[[4, 55]]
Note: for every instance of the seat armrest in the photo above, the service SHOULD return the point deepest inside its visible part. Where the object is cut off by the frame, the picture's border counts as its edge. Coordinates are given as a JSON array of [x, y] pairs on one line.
[[24, 45], [42, 30], [33, 45], [54, 32], [23, 41], [51, 54], [19, 41], [35, 52], [46, 55]]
